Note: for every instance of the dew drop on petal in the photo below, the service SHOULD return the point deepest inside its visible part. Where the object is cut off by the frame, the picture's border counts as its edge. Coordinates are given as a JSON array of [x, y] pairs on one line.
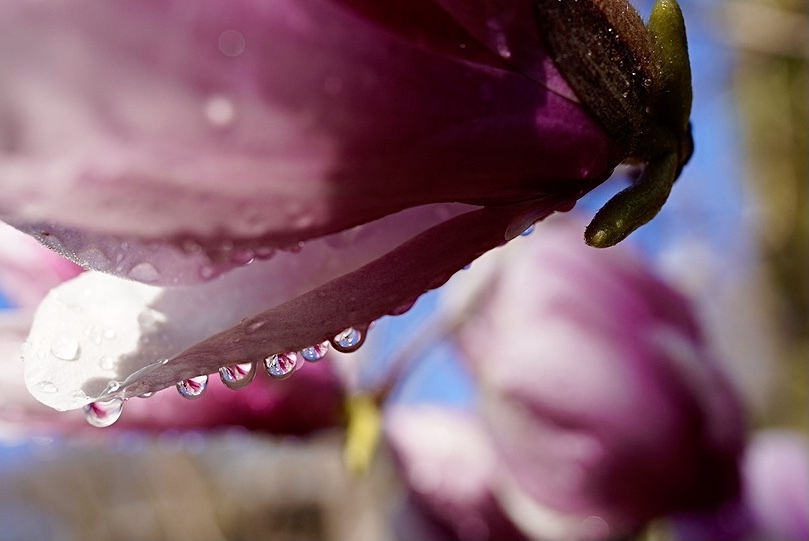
[[242, 256], [65, 348], [237, 376], [252, 327], [193, 387], [144, 272], [106, 362], [281, 365], [264, 252], [103, 413], [528, 230], [403, 308], [316, 352], [46, 387], [231, 43], [348, 341]]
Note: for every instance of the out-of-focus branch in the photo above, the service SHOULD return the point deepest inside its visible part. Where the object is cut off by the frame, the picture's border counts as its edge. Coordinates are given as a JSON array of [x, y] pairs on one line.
[[766, 28]]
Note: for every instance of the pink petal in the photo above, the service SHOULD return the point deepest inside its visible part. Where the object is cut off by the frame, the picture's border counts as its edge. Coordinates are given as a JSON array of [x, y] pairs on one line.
[[355, 299], [261, 123], [451, 468], [28, 270], [120, 327]]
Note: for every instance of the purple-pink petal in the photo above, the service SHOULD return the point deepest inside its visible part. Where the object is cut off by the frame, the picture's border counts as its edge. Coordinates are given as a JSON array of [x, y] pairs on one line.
[[170, 142], [142, 119], [600, 392]]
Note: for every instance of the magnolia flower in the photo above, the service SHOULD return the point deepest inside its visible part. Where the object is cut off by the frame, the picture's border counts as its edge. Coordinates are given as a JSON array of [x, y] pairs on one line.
[[355, 153], [602, 400]]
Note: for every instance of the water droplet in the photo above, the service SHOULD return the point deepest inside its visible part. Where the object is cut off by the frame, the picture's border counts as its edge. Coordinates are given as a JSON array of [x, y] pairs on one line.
[[316, 352], [146, 394], [237, 376], [242, 256], [502, 46], [252, 326], [112, 387], [281, 365], [193, 387], [264, 252], [46, 387], [528, 230], [144, 272], [106, 362], [403, 308], [103, 413], [220, 111], [348, 341], [206, 272], [231, 43], [65, 348]]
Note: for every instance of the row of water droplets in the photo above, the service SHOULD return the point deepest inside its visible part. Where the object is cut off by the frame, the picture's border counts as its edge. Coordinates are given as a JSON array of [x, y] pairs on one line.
[[103, 413]]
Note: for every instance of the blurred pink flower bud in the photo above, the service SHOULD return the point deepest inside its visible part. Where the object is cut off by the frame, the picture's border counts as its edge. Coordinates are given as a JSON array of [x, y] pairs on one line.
[[599, 392]]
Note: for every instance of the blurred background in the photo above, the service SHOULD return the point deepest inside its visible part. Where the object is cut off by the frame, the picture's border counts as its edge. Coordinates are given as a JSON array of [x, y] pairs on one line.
[[733, 237]]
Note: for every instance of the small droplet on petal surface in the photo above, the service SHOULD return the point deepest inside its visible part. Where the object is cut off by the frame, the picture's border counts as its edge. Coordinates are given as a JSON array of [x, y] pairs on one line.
[[237, 376], [316, 352], [264, 252], [528, 230], [106, 362], [193, 387], [242, 256], [252, 327], [144, 272], [348, 341], [281, 365], [65, 348], [103, 413], [231, 43], [46, 387]]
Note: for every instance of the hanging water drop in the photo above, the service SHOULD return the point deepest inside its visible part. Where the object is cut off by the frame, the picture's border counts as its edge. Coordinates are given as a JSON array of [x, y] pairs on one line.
[[242, 256], [65, 348], [316, 352], [264, 252], [403, 308], [281, 365], [528, 230], [103, 413], [237, 376], [349, 340], [193, 387]]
